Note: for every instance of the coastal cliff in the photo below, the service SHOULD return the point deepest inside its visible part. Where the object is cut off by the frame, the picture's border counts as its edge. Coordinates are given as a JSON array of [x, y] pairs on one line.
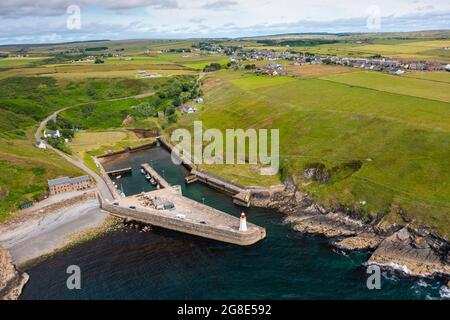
[[12, 280], [414, 251]]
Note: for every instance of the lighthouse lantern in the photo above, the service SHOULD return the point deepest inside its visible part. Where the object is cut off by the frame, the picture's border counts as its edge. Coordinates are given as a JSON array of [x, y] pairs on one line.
[[243, 222]]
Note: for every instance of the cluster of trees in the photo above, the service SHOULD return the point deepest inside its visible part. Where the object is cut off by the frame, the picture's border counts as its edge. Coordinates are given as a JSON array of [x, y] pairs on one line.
[[297, 42], [169, 96], [67, 130], [212, 67], [146, 110], [87, 110], [178, 91], [96, 49], [180, 50], [59, 144]]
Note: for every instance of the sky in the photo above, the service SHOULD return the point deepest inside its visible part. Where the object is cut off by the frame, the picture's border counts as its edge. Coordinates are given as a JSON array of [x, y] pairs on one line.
[[50, 21]]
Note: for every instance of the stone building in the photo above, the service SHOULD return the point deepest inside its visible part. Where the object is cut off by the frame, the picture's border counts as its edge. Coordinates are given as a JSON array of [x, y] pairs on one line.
[[65, 184]]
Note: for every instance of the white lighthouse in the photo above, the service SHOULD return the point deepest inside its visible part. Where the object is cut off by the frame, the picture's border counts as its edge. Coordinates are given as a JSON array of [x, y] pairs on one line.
[[243, 222]]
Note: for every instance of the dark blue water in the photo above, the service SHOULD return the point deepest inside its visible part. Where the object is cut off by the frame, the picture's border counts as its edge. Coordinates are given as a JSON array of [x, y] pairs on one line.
[[168, 265]]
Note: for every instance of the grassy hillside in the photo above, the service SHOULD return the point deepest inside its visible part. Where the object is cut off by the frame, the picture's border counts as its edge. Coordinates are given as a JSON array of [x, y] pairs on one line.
[[384, 152], [422, 88], [24, 171], [24, 101]]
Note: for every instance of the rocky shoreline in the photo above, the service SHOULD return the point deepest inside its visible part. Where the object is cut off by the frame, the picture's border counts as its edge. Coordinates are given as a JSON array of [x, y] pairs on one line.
[[12, 280], [414, 251]]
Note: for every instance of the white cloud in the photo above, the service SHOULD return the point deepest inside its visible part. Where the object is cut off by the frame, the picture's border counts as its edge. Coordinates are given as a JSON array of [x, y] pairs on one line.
[[44, 20]]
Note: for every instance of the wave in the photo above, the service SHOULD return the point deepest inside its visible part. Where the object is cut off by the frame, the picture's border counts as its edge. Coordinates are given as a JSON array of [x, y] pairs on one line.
[[444, 292]]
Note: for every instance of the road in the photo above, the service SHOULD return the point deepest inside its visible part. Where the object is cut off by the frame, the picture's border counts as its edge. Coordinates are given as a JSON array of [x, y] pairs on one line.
[[44, 122], [100, 182], [102, 187]]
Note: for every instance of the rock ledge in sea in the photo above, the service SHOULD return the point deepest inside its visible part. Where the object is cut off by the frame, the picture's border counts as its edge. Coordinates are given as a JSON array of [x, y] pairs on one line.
[[363, 241], [12, 281], [417, 253], [333, 224]]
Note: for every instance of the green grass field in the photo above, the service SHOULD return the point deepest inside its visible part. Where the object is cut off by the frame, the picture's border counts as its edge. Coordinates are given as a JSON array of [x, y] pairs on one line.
[[390, 83], [443, 76], [94, 143], [24, 171], [384, 140], [387, 150]]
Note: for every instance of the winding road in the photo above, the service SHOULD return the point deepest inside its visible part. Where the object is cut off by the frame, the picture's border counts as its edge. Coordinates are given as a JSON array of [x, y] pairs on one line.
[[102, 187]]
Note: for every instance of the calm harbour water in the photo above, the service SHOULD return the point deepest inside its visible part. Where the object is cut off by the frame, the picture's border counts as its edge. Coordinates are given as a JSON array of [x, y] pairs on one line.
[[163, 264]]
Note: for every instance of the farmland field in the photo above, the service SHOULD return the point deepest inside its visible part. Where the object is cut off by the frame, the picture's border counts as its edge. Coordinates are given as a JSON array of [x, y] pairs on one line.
[[395, 84], [383, 139], [317, 70], [433, 76], [255, 82], [93, 143], [386, 150]]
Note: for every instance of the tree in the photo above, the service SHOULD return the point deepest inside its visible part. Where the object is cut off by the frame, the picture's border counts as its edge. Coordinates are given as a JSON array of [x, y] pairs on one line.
[[212, 67], [51, 125]]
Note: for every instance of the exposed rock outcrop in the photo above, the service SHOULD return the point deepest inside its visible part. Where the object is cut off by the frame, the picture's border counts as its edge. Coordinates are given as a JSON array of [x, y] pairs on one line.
[[419, 252], [416, 252], [12, 281], [363, 241], [333, 224], [305, 216]]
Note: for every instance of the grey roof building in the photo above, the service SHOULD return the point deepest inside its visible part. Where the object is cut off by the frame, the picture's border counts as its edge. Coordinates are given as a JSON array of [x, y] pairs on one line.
[[66, 184]]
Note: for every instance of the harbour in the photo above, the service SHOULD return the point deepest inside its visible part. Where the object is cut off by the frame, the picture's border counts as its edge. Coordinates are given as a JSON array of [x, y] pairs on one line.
[[165, 264]]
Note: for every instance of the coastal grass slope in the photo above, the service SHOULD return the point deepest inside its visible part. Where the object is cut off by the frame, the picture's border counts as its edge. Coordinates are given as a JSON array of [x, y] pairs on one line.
[[385, 154]]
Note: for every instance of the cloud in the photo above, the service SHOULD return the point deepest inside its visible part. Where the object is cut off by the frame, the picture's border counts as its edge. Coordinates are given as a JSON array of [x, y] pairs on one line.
[[34, 21], [23, 8], [220, 4], [197, 20]]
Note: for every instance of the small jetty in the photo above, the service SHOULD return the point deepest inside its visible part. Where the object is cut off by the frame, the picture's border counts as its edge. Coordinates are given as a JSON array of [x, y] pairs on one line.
[[190, 179], [118, 172], [153, 174]]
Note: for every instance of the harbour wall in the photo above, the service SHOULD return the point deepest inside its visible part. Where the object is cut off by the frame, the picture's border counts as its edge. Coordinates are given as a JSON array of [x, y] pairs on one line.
[[205, 231]]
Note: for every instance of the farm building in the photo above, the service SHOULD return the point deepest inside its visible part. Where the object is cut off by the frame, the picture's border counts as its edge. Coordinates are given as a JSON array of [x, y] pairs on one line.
[[65, 184], [188, 109], [41, 145], [52, 134]]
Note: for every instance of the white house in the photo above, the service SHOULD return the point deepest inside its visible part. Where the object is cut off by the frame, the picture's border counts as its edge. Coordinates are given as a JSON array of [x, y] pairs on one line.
[[188, 109], [52, 134], [447, 67], [41, 145], [198, 100]]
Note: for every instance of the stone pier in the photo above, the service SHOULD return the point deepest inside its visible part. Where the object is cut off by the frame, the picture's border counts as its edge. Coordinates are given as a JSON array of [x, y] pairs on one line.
[[167, 208]]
